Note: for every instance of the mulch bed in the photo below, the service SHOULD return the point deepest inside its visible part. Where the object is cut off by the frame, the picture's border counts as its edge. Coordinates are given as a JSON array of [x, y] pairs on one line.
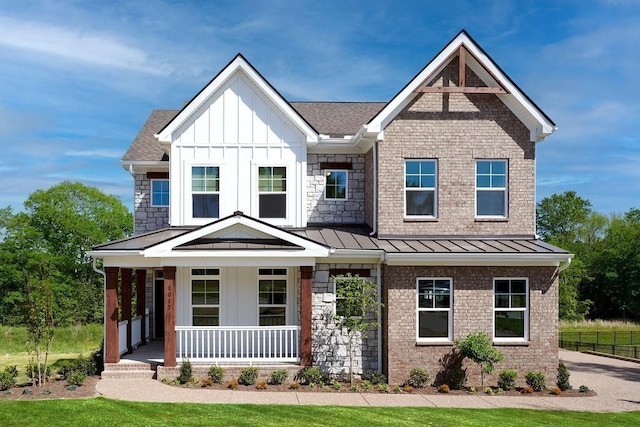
[[52, 390]]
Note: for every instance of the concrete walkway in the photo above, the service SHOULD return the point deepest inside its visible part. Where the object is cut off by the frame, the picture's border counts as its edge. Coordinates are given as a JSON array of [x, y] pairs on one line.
[[617, 383]]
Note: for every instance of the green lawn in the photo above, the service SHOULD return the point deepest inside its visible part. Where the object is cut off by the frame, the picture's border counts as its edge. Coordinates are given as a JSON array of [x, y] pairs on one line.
[[104, 412]]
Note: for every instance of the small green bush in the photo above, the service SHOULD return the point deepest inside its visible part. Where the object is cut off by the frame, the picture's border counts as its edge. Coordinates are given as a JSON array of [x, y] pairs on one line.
[[562, 379], [536, 380], [76, 378], [337, 385], [374, 378], [8, 378], [248, 376], [31, 370], [583, 389], [366, 385], [311, 375], [507, 379], [383, 387], [488, 390], [186, 372], [418, 378], [80, 364], [279, 376], [216, 374]]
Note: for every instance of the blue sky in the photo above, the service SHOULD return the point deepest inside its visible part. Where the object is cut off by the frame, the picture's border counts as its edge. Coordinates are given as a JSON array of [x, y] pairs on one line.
[[79, 78]]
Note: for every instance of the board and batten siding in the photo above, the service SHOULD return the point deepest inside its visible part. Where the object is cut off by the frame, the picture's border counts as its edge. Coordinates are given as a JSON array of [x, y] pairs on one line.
[[238, 129]]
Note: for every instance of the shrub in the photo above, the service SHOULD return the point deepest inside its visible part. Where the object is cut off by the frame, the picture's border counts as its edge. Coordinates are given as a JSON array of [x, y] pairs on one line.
[[478, 348], [248, 376], [31, 370], [507, 379], [337, 385], [383, 387], [375, 378], [536, 380], [472, 390], [397, 389], [216, 374], [527, 390], [556, 390], [261, 385], [488, 390], [294, 385], [583, 389], [80, 364], [279, 376], [500, 390], [206, 382], [232, 384], [8, 378], [407, 388], [186, 372], [418, 378], [311, 375], [366, 385], [355, 388], [562, 379], [76, 378], [443, 388]]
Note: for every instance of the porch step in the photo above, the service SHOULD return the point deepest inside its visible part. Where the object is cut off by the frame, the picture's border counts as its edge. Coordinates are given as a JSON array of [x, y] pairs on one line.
[[128, 370]]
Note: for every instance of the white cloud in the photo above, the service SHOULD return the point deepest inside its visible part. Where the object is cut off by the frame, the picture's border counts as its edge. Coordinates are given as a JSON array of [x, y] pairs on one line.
[[94, 153]]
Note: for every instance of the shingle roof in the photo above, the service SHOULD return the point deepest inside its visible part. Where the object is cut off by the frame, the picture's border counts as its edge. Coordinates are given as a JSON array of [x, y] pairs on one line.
[[336, 119]]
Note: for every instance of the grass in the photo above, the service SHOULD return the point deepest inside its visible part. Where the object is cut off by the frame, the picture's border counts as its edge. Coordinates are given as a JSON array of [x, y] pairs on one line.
[[598, 325], [105, 412]]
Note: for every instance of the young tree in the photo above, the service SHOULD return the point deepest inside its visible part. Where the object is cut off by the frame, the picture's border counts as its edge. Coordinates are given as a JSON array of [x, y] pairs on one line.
[[40, 327], [357, 310], [478, 348]]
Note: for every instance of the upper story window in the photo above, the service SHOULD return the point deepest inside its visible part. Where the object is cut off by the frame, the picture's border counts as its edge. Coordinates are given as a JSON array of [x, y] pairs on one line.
[[511, 309], [205, 191], [336, 185], [434, 318], [205, 296], [272, 192], [159, 192], [491, 188], [420, 188], [272, 296]]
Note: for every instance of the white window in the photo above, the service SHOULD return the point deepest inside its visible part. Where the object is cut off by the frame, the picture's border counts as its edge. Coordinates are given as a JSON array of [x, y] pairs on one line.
[[491, 188], [420, 188], [159, 192], [205, 191], [511, 309], [336, 184], [272, 296], [272, 192], [205, 296], [434, 302]]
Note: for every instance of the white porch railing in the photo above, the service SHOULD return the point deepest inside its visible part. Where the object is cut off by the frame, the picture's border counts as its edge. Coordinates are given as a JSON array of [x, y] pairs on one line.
[[136, 336], [122, 336], [238, 343]]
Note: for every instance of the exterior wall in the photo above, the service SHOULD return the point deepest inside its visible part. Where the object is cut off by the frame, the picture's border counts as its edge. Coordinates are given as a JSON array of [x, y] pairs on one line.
[[350, 211], [456, 129], [329, 344], [368, 188], [147, 217], [472, 312]]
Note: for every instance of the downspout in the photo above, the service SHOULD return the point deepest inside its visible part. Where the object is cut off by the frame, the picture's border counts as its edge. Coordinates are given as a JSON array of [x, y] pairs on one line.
[[564, 266], [375, 190], [104, 302], [379, 283]]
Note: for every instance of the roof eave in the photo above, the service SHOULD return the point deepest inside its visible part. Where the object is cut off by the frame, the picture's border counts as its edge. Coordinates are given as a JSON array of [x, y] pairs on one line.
[[475, 259]]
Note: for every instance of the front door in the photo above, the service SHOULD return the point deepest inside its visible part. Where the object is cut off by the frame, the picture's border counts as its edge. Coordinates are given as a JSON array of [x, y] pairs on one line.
[[158, 305]]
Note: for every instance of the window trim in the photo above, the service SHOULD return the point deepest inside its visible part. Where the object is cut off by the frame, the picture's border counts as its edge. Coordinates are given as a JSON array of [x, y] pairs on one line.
[[192, 192], [526, 311], [346, 185], [217, 277], [505, 189], [151, 192], [449, 338], [273, 276], [286, 192], [416, 189]]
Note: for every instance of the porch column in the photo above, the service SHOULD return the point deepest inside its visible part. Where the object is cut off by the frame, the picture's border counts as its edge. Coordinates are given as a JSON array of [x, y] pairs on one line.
[[306, 279], [169, 316], [141, 277], [111, 350], [127, 275]]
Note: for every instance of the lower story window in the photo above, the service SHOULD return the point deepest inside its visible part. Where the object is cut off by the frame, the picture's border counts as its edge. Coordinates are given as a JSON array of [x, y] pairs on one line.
[[272, 296], [511, 309], [434, 309], [205, 296]]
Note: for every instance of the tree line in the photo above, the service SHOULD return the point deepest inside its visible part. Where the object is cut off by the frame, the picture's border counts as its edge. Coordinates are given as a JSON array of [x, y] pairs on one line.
[[603, 281], [48, 243]]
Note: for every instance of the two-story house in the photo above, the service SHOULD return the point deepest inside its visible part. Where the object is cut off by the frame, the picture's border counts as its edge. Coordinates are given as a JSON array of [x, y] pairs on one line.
[[247, 205]]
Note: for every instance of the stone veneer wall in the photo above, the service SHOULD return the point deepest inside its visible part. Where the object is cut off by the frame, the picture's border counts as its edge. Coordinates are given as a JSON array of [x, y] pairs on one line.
[[147, 217], [472, 312], [350, 211], [456, 129], [329, 344]]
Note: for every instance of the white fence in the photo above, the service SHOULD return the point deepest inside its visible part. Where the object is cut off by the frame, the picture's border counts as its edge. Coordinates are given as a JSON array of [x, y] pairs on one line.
[[122, 336], [136, 337], [238, 343]]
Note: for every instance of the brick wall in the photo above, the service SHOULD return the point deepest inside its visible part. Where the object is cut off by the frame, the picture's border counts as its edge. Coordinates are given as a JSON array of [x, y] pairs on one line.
[[472, 312], [368, 188], [147, 217], [456, 129], [329, 343], [350, 211]]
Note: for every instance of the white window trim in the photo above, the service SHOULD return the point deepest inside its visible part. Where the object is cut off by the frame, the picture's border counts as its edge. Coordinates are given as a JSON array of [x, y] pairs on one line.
[[346, 185], [288, 193], [151, 192], [505, 189], [217, 277], [405, 189], [188, 191], [449, 338], [526, 312], [288, 293]]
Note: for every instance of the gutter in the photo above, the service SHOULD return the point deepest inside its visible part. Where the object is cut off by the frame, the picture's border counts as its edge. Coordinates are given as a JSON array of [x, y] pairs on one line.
[[375, 190], [379, 283]]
